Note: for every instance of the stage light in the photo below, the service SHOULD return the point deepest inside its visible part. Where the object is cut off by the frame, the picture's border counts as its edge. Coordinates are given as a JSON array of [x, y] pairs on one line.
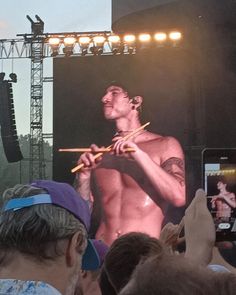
[[115, 44], [69, 45], [144, 37], [2, 75], [54, 41], [13, 77], [84, 40], [84, 44], [129, 38], [130, 42], [69, 41], [175, 36], [98, 42], [114, 39], [54, 44], [160, 37]]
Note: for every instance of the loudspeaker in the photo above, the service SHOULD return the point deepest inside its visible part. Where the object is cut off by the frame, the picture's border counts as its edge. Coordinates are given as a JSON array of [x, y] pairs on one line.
[[8, 123]]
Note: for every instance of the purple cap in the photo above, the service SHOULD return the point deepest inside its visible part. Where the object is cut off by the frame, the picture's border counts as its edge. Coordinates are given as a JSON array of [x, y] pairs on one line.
[[94, 255], [65, 196]]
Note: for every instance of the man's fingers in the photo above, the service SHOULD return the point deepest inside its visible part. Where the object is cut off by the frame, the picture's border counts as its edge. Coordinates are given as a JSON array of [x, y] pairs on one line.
[[198, 204], [181, 226], [94, 148]]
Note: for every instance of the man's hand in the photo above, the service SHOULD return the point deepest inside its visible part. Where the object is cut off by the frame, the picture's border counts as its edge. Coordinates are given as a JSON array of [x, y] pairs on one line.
[[169, 236], [89, 162], [199, 230], [120, 146]]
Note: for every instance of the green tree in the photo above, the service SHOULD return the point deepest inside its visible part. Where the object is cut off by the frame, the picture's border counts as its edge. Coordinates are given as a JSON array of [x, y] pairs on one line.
[[13, 173]]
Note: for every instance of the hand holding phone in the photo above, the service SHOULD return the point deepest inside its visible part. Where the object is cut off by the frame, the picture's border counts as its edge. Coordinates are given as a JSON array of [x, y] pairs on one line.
[[219, 182]]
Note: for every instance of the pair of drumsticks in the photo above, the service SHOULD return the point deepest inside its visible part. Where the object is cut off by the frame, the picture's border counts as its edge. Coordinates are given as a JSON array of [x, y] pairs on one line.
[[102, 150]]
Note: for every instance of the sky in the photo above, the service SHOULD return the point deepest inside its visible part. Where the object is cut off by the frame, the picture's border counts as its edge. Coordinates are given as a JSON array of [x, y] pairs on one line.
[[58, 16]]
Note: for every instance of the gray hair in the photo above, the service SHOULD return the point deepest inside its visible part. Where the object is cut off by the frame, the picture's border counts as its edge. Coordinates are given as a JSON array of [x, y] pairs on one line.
[[39, 231]]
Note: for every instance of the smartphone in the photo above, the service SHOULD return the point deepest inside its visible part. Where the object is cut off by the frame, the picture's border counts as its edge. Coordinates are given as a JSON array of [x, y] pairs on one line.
[[219, 183]]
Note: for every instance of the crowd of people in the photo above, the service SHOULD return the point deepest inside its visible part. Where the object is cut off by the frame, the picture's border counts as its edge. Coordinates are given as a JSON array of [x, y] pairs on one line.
[[45, 246], [45, 249]]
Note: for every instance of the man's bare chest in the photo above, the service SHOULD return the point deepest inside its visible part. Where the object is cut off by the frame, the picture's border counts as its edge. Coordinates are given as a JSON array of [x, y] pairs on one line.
[[118, 170]]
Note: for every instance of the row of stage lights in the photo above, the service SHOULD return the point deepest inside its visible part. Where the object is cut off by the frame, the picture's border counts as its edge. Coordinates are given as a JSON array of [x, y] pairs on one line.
[[97, 44]]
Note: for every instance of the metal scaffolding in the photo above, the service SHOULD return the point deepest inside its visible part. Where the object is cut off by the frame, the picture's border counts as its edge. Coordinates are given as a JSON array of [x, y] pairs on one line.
[[37, 164], [32, 46]]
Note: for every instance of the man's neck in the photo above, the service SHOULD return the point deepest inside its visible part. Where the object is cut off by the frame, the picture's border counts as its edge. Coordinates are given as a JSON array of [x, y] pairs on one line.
[[125, 126], [223, 191], [25, 269]]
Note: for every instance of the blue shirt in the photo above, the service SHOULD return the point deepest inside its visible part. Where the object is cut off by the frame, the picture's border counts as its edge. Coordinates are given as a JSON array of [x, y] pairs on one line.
[[18, 287]]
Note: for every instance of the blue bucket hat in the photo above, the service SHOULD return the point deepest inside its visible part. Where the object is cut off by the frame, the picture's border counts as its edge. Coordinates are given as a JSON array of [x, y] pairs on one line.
[[64, 195]]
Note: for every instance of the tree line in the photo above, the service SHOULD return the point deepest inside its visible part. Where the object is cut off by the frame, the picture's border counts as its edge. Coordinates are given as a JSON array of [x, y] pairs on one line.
[[14, 173]]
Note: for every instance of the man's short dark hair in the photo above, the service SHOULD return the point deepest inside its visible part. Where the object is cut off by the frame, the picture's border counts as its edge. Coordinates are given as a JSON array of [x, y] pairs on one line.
[[125, 254]]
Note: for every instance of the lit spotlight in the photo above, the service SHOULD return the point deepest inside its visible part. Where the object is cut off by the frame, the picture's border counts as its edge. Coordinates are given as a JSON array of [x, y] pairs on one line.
[[54, 41], [175, 36], [84, 44], [160, 37], [115, 44], [69, 43], [130, 42], [84, 40], [54, 44], [114, 39], [98, 42], [129, 38], [144, 37]]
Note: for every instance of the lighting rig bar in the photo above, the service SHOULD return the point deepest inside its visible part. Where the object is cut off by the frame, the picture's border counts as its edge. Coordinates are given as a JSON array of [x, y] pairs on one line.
[[108, 43], [87, 43]]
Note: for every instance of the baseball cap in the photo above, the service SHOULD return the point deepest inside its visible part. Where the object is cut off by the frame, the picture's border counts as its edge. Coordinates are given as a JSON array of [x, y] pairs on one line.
[[96, 251], [64, 195]]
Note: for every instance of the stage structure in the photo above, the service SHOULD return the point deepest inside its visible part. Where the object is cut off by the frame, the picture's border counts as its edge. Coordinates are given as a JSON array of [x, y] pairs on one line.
[[39, 45]]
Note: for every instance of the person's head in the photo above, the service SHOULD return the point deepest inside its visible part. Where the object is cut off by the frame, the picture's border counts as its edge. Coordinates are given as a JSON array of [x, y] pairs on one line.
[[123, 256], [44, 222], [119, 102], [221, 185], [175, 275], [221, 182]]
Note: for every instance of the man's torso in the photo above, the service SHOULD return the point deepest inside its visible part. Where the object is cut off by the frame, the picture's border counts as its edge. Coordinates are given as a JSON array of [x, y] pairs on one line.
[[223, 209], [126, 194]]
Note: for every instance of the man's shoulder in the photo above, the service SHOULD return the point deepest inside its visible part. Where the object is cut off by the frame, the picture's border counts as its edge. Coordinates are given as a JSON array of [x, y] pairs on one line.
[[13, 286], [162, 140]]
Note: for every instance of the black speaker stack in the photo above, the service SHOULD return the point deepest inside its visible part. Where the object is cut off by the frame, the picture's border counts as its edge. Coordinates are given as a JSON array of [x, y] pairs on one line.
[[8, 124]]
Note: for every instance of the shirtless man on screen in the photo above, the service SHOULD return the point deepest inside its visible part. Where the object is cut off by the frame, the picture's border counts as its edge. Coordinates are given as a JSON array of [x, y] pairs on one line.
[[224, 202], [135, 187]]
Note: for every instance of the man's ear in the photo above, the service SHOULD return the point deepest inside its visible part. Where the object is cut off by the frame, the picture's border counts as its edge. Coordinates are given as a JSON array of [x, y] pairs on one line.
[[137, 101], [72, 249]]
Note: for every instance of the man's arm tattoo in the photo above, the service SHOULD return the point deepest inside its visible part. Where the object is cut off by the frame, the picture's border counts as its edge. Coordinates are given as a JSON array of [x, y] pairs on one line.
[[168, 166], [83, 187]]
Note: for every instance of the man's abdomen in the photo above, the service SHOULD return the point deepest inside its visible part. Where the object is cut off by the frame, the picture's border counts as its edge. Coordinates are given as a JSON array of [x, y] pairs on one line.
[[127, 211]]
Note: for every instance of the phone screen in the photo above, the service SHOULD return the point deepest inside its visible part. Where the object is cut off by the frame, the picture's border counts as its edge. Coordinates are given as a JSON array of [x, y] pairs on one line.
[[219, 180]]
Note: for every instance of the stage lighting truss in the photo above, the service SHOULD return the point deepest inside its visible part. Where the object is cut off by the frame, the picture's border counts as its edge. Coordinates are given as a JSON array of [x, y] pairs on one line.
[[109, 43]]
